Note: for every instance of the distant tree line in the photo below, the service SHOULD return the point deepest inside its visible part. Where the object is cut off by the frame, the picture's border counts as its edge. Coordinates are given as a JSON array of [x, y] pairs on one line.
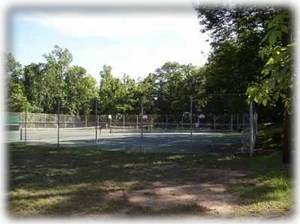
[[167, 90]]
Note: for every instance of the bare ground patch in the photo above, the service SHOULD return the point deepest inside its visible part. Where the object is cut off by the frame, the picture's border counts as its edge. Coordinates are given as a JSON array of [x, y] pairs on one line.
[[207, 194]]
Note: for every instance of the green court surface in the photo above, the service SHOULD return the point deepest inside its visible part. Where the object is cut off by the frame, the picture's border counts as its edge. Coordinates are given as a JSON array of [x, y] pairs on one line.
[[134, 141]]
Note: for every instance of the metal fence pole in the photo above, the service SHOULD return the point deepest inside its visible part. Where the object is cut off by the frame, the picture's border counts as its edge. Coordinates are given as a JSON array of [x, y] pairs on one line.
[[21, 134], [231, 122], [58, 123], [96, 117], [142, 123], [110, 120], [251, 130], [26, 125], [166, 121], [191, 112], [214, 122]]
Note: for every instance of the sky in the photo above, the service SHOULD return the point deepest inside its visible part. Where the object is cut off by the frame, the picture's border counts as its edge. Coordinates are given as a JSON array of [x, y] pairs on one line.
[[133, 42]]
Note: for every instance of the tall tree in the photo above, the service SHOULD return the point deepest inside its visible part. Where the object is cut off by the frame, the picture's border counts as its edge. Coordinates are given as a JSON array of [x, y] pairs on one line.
[[270, 29], [171, 85], [129, 97], [276, 81], [80, 90], [14, 69], [233, 22], [17, 101], [58, 61], [112, 93], [34, 85]]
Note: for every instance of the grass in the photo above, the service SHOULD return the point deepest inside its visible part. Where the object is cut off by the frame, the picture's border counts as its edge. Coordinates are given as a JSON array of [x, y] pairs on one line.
[[45, 181], [269, 136]]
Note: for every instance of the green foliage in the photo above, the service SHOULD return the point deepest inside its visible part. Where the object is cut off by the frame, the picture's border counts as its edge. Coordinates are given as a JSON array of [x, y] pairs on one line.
[[43, 83], [13, 69], [35, 85], [234, 63], [16, 98], [56, 68], [276, 79], [80, 90], [116, 96], [234, 22], [169, 88], [17, 101]]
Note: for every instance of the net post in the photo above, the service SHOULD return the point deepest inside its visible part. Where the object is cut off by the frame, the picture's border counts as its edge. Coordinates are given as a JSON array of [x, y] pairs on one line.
[[231, 122]]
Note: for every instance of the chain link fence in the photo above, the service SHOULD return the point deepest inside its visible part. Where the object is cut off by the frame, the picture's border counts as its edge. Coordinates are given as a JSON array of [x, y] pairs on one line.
[[181, 132]]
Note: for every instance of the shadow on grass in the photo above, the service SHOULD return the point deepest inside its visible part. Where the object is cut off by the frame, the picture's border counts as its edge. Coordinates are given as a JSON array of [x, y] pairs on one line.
[[47, 181]]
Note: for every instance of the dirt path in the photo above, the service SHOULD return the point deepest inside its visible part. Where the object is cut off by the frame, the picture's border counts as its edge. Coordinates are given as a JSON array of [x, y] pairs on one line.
[[208, 194]]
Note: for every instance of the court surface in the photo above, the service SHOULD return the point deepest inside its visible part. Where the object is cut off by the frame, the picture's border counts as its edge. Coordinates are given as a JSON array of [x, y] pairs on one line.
[[133, 141]]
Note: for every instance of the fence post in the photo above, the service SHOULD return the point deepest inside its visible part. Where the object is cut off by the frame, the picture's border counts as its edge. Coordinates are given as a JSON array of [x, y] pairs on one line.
[[96, 117], [26, 125], [191, 122], [214, 122], [58, 118], [124, 120], [142, 122], [166, 121], [251, 143], [231, 122]]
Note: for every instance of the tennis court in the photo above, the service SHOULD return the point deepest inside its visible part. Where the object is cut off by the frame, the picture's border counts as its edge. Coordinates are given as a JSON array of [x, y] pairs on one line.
[[134, 139]]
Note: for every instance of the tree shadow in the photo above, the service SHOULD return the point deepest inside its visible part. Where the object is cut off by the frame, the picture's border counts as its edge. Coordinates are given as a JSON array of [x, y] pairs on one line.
[[91, 182]]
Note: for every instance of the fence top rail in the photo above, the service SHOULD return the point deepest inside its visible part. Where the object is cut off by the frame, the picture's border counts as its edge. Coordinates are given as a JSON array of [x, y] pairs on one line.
[[118, 114]]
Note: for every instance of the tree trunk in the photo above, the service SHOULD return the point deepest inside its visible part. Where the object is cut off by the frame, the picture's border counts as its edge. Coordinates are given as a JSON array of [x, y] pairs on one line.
[[286, 140]]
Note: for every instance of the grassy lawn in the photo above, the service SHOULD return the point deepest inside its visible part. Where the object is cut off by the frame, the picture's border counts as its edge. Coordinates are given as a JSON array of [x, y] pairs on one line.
[[66, 182]]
